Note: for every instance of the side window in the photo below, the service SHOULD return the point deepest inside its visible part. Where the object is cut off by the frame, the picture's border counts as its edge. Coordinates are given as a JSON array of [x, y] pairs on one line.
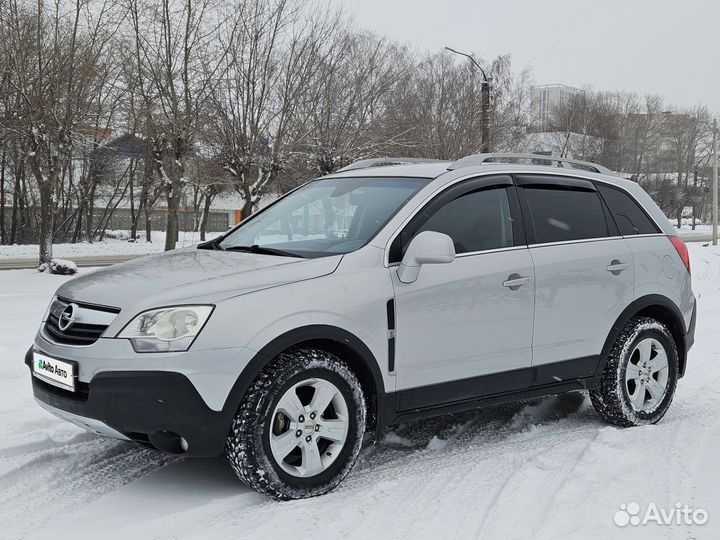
[[476, 221], [565, 214], [630, 218]]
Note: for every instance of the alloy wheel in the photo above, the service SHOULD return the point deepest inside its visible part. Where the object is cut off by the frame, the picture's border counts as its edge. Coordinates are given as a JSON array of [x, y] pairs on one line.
[[309, 427]]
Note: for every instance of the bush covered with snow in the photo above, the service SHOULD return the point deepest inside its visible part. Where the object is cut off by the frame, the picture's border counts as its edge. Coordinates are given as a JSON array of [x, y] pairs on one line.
[[59, 266]]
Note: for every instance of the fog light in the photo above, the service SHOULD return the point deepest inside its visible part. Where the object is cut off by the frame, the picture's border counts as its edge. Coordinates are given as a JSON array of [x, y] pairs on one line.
[[183, 444]]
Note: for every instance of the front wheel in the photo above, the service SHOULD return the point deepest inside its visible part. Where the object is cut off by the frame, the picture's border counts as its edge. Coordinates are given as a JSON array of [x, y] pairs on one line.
[[640, 376], [299, 430]]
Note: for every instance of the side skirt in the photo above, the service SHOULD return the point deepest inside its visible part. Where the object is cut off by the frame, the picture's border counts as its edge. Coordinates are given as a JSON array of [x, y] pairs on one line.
[[457, 396]]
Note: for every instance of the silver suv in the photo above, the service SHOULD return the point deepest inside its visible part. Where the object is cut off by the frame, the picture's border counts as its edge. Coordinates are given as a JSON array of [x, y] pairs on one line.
[[386, 292]]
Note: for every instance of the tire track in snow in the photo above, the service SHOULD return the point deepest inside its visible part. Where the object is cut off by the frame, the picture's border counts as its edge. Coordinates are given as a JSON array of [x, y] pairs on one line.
[[47, 480], [474, 452]]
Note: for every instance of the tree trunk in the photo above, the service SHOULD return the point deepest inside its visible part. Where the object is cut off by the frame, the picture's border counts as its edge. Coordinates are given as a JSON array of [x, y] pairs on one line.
[[90, 211], [171, 228], [16, 201], [248, 205], [205, 217], [133, 229], [2, 199], [148, 223], [46, 220]]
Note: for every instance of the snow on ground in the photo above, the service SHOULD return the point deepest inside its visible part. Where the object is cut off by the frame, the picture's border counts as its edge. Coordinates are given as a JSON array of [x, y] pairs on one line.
[[687, 232], [109, 246], [547, 468]]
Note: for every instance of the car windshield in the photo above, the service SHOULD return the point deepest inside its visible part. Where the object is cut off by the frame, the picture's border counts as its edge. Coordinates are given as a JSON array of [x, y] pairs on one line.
[[324, 217]]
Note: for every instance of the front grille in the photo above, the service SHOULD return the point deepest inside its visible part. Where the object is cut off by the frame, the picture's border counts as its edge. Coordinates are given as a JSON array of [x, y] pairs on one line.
[[89, 322]]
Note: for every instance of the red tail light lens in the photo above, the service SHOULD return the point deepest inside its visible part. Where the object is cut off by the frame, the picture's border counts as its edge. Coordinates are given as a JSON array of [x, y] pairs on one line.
[[682, 250]]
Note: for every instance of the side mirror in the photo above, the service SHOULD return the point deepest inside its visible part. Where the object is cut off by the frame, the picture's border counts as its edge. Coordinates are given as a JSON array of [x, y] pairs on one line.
[[428, 247]]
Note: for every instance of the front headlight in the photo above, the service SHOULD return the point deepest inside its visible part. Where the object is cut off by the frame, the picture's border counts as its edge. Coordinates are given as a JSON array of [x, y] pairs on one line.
[[170, 329]]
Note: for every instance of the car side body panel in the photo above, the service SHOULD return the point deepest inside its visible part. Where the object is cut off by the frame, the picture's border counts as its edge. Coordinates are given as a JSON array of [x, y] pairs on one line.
[[577, 299]]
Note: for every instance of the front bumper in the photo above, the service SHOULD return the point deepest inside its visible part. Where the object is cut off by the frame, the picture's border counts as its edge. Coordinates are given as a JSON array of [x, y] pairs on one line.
[[157, 409]]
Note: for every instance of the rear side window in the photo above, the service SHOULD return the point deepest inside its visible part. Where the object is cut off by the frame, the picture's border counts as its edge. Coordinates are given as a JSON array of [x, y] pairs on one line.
[[630, 218], [476, 221], [564, 214]]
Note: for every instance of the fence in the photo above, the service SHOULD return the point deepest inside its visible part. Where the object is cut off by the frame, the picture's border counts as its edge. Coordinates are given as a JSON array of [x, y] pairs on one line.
[[218, 220]]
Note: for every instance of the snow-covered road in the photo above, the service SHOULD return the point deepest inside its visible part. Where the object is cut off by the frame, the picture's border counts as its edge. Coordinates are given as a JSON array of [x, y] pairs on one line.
[[548, 468]]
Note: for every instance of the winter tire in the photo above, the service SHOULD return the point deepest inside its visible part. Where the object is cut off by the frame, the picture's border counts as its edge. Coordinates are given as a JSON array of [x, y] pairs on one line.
[[640, 375], [300, 427]]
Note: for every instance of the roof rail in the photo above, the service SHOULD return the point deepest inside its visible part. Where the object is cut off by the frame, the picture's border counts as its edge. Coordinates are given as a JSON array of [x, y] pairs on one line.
[[379, 162], [479, 159]]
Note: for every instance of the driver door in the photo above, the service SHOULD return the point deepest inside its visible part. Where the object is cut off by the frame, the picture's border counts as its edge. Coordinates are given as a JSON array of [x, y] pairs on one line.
[[464, 329]]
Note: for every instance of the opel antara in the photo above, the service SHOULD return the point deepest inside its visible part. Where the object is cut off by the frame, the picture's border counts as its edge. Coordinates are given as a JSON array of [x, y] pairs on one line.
[[389, 291]]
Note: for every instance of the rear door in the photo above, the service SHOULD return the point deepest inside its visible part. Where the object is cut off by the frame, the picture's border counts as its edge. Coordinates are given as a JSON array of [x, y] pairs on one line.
[[583, 274], [464, 329]]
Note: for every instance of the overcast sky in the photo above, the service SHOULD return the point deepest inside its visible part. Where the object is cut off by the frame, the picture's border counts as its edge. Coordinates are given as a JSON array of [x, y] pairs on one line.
[[668, 47]]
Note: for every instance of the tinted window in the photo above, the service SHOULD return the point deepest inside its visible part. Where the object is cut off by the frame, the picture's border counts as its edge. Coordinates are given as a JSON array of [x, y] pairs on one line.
[[630, 218], [475, 221], [562, 214]]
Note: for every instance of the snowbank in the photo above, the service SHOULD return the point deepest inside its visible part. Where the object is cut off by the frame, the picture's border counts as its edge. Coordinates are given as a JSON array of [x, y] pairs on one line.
[[59, 266], [109, 246]]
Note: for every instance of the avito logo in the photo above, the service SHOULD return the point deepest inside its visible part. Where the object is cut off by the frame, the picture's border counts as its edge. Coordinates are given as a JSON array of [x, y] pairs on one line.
[[681, 514]]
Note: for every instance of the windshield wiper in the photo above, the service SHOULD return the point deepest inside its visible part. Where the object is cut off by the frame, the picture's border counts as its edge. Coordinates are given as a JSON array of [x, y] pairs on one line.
[[261, 250], [211, 244]]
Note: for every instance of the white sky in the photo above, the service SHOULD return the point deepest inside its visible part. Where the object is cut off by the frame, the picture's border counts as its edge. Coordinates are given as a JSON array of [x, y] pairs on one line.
[[668, 47]]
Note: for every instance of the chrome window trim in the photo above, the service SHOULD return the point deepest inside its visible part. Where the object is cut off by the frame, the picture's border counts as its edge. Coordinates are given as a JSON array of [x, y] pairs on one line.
[[646, 235], [578, 241]]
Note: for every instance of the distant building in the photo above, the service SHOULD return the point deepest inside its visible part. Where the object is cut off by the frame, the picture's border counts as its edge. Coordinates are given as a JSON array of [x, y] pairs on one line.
[[546, 98], [562, 144]]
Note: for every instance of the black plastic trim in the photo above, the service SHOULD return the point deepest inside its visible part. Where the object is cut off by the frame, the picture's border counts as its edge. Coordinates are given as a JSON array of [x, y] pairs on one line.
[[689, 339], [391, 334], [636, 307], [474, 388], [559, 182], [494, 399], [145, 406], [361, 360]]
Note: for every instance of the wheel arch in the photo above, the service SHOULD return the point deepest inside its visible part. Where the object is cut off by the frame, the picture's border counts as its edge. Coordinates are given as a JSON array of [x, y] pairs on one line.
[[329, 338], [658, 307]]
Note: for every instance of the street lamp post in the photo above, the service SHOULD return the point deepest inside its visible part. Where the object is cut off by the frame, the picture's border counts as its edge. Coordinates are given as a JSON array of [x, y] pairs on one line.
[[484, 102], [715, 186]]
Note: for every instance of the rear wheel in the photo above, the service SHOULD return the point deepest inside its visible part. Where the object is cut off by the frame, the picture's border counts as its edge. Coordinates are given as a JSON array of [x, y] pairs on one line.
[[299, 430], [640, 376]]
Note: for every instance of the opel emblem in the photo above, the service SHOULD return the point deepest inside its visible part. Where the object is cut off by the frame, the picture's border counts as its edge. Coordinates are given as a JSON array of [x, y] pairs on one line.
[[67, 317]]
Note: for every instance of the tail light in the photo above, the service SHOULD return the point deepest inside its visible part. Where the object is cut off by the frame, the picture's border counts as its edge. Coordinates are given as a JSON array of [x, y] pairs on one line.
[[682, 250]]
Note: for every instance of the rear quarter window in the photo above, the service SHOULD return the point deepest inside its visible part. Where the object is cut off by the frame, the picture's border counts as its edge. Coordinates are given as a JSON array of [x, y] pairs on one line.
[[631, 219]]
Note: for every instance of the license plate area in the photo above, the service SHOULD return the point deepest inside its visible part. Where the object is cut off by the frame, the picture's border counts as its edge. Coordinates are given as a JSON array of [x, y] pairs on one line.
[[60, 373]]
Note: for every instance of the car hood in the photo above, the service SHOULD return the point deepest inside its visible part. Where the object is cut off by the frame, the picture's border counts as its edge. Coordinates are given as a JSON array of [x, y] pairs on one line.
[[191, 275]]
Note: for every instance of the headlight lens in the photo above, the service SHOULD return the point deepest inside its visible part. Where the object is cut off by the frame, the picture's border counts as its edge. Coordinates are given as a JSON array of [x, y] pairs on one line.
[[168, 329]]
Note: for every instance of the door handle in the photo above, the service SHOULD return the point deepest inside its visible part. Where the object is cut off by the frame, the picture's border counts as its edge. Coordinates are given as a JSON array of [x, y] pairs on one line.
[[515, 281], [615, 267]]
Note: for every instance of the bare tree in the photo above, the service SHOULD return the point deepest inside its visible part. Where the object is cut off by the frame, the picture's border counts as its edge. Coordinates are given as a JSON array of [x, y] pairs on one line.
[[178, 63], [52, 56]]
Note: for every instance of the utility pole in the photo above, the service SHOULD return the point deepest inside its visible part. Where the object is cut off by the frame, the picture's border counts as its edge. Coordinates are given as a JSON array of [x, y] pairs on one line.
[[715, 186], [484, 103]]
